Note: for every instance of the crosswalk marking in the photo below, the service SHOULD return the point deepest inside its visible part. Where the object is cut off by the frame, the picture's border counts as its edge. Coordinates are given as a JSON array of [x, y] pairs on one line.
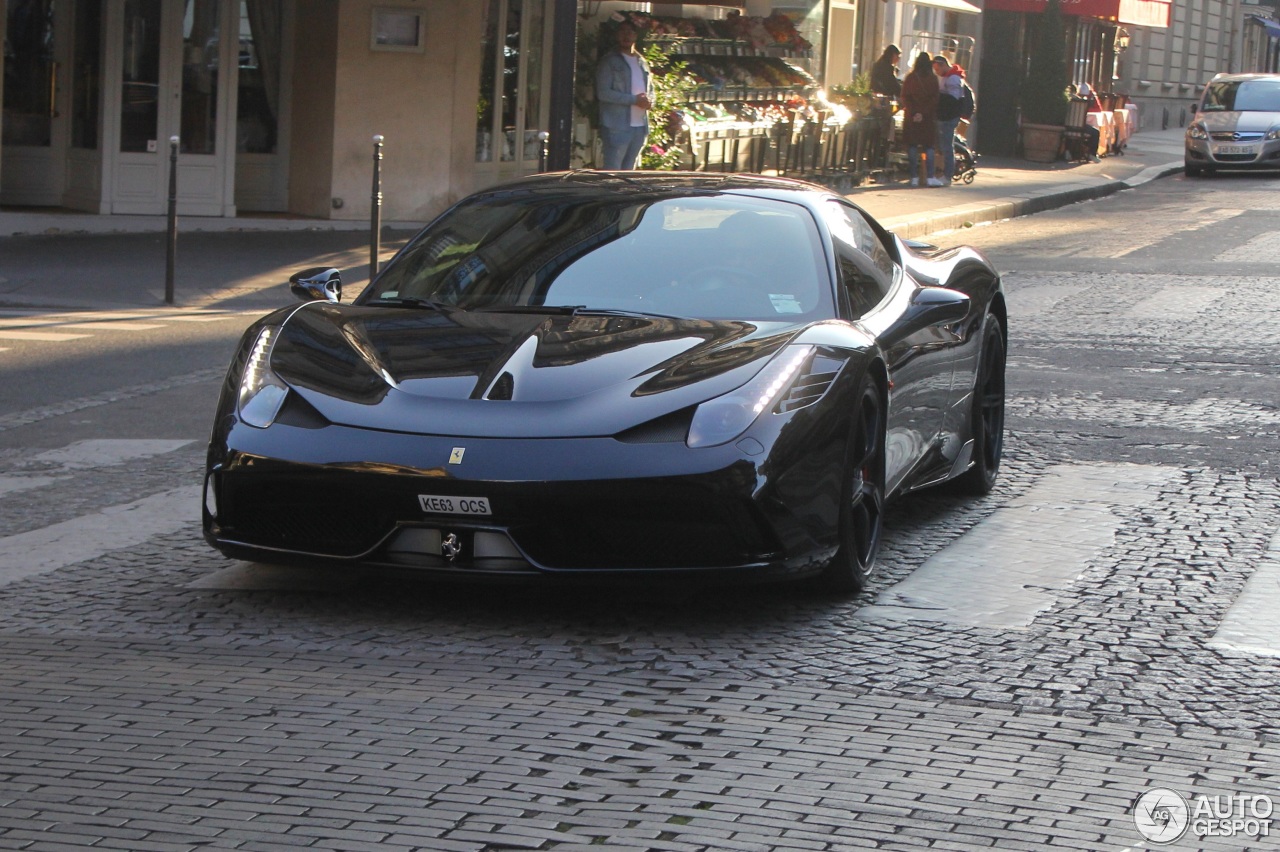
[[1012, 565], [46, 336], [1253, 622], [102, 452], [118, 325], [45, 327], [41, 551]]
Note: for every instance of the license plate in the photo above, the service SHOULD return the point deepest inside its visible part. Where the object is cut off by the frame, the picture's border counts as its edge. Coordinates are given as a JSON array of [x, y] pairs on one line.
[[436, 505], [1234, 149]]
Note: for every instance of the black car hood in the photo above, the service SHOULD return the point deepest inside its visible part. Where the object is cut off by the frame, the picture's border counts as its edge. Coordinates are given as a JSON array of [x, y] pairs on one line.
[[494, 374]]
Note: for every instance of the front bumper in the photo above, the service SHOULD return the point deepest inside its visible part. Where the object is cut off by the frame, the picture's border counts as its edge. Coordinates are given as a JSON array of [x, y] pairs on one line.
[[1224, 153], [563, 507]]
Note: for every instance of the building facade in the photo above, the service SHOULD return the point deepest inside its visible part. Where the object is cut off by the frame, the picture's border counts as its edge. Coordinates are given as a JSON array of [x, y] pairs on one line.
[[274, 103]]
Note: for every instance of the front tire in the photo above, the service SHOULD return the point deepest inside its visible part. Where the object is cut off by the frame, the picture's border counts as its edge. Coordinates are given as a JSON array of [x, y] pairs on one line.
[[861, 497], [986, 417]]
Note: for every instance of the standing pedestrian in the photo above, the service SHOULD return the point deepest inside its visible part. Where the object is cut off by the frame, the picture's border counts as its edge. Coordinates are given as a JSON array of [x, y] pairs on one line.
[[884, 73], [950, 92], [919, 117], [624, 92]]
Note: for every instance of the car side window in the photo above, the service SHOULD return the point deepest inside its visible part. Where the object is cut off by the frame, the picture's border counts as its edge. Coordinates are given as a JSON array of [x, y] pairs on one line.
[[866, 269]]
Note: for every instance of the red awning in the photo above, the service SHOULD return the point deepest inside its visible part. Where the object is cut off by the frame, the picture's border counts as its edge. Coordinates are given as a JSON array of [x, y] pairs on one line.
[[1141, 13]]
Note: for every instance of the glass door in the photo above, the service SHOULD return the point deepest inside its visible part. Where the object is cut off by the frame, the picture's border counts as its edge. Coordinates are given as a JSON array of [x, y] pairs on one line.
[[514, 78], [175, 71], [262, 105], [34, 139]]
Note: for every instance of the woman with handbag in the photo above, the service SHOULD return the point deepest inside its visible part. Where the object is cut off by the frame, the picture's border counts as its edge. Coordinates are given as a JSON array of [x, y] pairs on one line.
[[920, 118]]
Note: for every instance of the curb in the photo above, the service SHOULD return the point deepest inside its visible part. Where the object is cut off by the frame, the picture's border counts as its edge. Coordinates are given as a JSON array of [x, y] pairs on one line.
[[916, 225]]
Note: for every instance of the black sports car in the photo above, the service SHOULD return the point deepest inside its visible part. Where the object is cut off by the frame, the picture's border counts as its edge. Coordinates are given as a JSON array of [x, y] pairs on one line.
[[613, 373]]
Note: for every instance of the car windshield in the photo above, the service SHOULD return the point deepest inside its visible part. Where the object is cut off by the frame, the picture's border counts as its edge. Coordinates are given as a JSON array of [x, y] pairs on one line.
[[1243, 96], [711, 256]]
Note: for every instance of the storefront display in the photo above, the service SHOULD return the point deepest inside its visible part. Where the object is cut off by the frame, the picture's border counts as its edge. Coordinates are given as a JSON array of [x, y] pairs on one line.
[[748, 99]]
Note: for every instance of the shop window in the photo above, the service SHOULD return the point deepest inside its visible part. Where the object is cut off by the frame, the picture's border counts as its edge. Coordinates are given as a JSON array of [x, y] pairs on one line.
[[200, 48], [30, 74], [86, 80], [258, 102], [139, 97], [511, 107]]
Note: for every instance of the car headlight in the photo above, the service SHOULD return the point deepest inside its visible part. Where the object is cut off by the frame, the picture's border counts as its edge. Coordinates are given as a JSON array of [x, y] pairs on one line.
[[262, 392], [720, 420], [1197, 131], [1273, 133]]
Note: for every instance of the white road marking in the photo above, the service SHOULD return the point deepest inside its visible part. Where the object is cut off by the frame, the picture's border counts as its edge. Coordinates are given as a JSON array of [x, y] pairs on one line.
[[101, 452], [1011, 566], [114, 325], [41, 551], [1253, 622], [46, 336], [10, 484], [1174, 303], [1264, 248], [1041, 298]]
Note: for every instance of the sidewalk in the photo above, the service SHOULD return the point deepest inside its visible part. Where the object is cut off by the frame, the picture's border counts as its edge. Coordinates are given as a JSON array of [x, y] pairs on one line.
[[71, 260]]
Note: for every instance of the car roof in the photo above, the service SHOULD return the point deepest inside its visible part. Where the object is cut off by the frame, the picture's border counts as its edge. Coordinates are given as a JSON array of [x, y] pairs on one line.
[[1242, 77], [669, 184]]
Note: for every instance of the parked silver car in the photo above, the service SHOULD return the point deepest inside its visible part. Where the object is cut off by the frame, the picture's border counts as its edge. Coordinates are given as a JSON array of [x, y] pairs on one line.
[[1236, 125]]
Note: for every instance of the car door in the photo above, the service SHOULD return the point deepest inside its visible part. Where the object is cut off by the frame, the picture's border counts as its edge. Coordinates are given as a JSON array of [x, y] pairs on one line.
[[915, 337]]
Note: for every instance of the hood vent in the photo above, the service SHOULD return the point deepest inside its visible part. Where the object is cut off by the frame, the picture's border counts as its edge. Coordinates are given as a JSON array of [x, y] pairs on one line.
[[503, 388], [671, 428]]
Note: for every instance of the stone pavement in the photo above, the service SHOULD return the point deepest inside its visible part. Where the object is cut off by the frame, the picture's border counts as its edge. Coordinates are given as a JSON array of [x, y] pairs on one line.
[[155, 696], [70, 260]]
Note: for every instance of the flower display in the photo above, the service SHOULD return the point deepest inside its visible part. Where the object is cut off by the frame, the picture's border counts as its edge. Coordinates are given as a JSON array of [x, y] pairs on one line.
[[777, 30], [751, 72]]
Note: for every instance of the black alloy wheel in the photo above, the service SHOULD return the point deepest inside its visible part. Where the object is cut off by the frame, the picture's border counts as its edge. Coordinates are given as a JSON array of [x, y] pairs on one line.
[[862, 498], [986, 418]]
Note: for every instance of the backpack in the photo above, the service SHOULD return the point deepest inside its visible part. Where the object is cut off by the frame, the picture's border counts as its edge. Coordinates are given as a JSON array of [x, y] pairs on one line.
[[967, 105]]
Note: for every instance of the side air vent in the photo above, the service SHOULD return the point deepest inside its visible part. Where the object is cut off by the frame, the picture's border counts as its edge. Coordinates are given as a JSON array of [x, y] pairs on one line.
[[668, 429], [809, 388]]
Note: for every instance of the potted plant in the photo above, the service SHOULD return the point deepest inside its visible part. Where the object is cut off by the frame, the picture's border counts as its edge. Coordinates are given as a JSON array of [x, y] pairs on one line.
[[855, 95], [1044, 93]]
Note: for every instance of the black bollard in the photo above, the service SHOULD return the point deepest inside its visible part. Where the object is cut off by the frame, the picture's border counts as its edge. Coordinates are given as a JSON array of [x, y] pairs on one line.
[[543, 149], [375, 214], [172, 253]]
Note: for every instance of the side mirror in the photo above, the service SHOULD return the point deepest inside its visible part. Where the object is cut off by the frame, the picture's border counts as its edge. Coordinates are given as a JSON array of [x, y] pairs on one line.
[[936, 306], [318, 282]]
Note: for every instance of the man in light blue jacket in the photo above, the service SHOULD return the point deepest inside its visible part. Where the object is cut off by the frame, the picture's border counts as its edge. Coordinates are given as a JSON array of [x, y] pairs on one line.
[[624, 90]]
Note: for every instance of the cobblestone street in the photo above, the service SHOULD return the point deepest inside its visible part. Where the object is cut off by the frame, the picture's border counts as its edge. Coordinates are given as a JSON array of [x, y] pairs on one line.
[[1021, 668]]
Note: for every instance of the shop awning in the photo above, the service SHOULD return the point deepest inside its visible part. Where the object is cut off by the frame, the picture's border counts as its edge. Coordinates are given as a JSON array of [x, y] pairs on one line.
[[951, 6], [1272, 28], [1140, 13]]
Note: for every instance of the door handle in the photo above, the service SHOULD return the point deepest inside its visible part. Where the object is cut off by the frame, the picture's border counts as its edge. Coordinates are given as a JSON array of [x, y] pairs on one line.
[[53, 89]]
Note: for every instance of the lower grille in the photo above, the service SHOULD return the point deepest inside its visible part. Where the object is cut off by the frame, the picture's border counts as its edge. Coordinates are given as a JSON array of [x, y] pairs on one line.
[[637, 534], [329, 521]]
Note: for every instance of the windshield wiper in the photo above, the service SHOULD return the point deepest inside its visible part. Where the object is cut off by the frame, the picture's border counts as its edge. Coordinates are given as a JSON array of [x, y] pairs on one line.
[[567, 310], [574, 311], [415, 302], [620, 312]]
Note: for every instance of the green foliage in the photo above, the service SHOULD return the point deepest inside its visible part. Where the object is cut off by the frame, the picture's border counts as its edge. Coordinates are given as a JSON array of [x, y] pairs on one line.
[[1044, 94], [672, 84], [859, 86]]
